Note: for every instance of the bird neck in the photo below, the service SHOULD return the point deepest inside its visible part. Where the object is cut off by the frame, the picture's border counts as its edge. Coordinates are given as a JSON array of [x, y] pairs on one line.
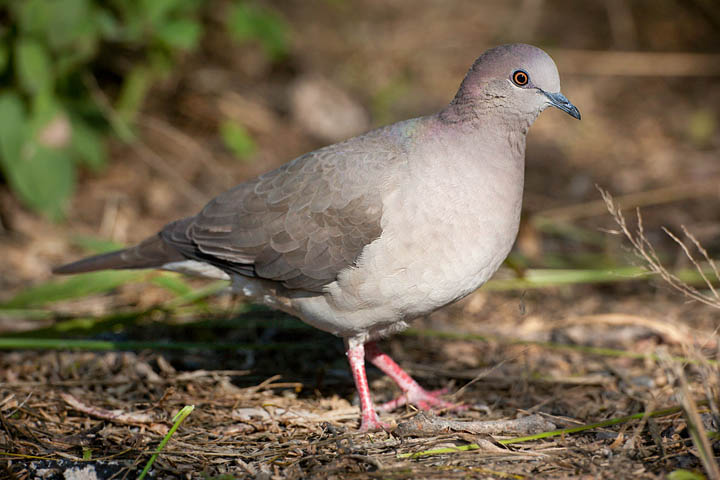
[[489, 124], [477, 110]]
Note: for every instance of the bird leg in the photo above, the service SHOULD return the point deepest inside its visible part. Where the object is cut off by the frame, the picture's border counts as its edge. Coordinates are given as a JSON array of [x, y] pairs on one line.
[[368, 420], [413, 393]]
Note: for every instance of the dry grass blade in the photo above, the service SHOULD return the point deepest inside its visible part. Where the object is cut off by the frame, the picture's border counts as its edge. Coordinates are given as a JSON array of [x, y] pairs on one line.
[[708, 271], [644, 249], [705, 255], [698, 433], [118, 416], [692, 259]]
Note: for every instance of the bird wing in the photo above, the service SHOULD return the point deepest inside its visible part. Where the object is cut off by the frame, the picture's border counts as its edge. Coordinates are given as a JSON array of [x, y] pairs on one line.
[[300, 224]]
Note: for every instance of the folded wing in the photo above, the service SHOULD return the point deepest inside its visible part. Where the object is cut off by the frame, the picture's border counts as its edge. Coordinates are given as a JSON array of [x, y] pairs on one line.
[[300, 224]]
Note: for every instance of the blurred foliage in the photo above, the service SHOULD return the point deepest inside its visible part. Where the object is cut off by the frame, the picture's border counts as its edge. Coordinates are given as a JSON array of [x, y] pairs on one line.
[[702, 127], [53, 113], [248, 22], [237, 139]]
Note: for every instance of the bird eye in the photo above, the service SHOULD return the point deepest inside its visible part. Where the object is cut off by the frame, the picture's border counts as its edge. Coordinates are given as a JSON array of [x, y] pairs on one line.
[[520, 78]]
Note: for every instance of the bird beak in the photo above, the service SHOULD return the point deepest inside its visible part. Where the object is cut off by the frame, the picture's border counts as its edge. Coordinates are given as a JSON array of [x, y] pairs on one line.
[[558, 100]]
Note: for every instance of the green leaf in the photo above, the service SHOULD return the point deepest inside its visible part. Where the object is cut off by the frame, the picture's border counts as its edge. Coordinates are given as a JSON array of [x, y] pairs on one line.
[[88, 145], [32, 65], [35, 18], [4, 56], [237, 139], [44, 179], [136, 85], [108, 26], [76, 59], [248, 22], [681, 474], [13, 131], [181, 34], [73, 23], [702, 126], [43, 109], [86, 454], [132, 23], [156, 10]]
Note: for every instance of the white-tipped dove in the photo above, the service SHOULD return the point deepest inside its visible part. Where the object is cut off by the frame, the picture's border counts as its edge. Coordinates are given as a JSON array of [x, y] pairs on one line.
[[360, 237]]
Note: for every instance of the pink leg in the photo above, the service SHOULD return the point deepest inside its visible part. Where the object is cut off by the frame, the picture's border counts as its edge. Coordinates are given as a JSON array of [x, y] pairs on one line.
[[369, 420], [412, 392]]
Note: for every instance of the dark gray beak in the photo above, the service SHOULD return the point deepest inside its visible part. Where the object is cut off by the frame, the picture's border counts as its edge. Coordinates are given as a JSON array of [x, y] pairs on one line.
[[558, 100]]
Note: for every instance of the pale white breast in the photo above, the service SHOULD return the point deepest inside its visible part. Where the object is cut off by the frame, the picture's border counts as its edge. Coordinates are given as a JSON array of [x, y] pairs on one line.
[[445, 232]]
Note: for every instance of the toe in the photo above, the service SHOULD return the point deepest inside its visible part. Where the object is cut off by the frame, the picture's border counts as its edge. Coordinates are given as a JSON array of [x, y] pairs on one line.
[[373, 425], [424, 400]]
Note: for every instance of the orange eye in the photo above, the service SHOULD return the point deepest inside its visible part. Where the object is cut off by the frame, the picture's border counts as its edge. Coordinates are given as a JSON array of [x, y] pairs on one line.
[[520, 78]]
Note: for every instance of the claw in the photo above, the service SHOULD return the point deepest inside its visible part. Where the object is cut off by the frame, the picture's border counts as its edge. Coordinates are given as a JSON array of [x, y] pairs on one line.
[[424, 400], [372, 424], [413, 393]]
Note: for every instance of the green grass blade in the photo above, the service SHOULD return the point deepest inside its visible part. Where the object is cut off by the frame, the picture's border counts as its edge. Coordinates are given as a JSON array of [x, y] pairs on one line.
[[26, 313], [544, 278], [75, 287], [193, 296], [181, 415], [84, 325], [103, 345], [551, 277], [173, 283]]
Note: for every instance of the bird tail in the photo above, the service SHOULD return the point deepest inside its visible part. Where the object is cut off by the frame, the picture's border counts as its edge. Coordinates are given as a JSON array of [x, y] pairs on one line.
[[151, 253]]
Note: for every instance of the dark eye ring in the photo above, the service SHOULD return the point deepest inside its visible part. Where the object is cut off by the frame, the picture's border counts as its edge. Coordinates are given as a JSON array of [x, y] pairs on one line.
[[520, 78]]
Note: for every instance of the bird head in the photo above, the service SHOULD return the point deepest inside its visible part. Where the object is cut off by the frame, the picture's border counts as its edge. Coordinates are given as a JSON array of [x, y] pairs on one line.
[[515, 78]]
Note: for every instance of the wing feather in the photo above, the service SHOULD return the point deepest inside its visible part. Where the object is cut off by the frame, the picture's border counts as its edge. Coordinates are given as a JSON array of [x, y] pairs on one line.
[[300, 224]]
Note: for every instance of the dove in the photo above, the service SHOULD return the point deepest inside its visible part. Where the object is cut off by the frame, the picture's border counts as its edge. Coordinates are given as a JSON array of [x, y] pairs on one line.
[[361, 237]]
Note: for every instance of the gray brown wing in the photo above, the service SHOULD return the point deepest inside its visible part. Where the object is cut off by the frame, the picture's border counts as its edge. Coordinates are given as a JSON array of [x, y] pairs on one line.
[[300, 224]]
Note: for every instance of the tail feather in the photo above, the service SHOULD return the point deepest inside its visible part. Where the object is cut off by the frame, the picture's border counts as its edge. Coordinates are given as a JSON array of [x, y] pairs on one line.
[[151, 253]]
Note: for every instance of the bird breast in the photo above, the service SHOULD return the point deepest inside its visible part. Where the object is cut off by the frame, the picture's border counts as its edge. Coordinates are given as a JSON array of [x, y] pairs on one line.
[[445, 230]]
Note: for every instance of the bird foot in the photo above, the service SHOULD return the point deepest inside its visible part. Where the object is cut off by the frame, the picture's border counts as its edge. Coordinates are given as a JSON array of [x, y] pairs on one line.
[[371, 423], [423, 399]]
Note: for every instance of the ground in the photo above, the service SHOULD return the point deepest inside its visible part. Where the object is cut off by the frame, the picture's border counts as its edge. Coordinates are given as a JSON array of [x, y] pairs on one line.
[[274, 398]]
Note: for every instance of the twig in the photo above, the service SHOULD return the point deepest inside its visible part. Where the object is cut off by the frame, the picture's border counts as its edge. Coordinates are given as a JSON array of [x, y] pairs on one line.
[[116, 416], [554, 433], [431, 425]]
